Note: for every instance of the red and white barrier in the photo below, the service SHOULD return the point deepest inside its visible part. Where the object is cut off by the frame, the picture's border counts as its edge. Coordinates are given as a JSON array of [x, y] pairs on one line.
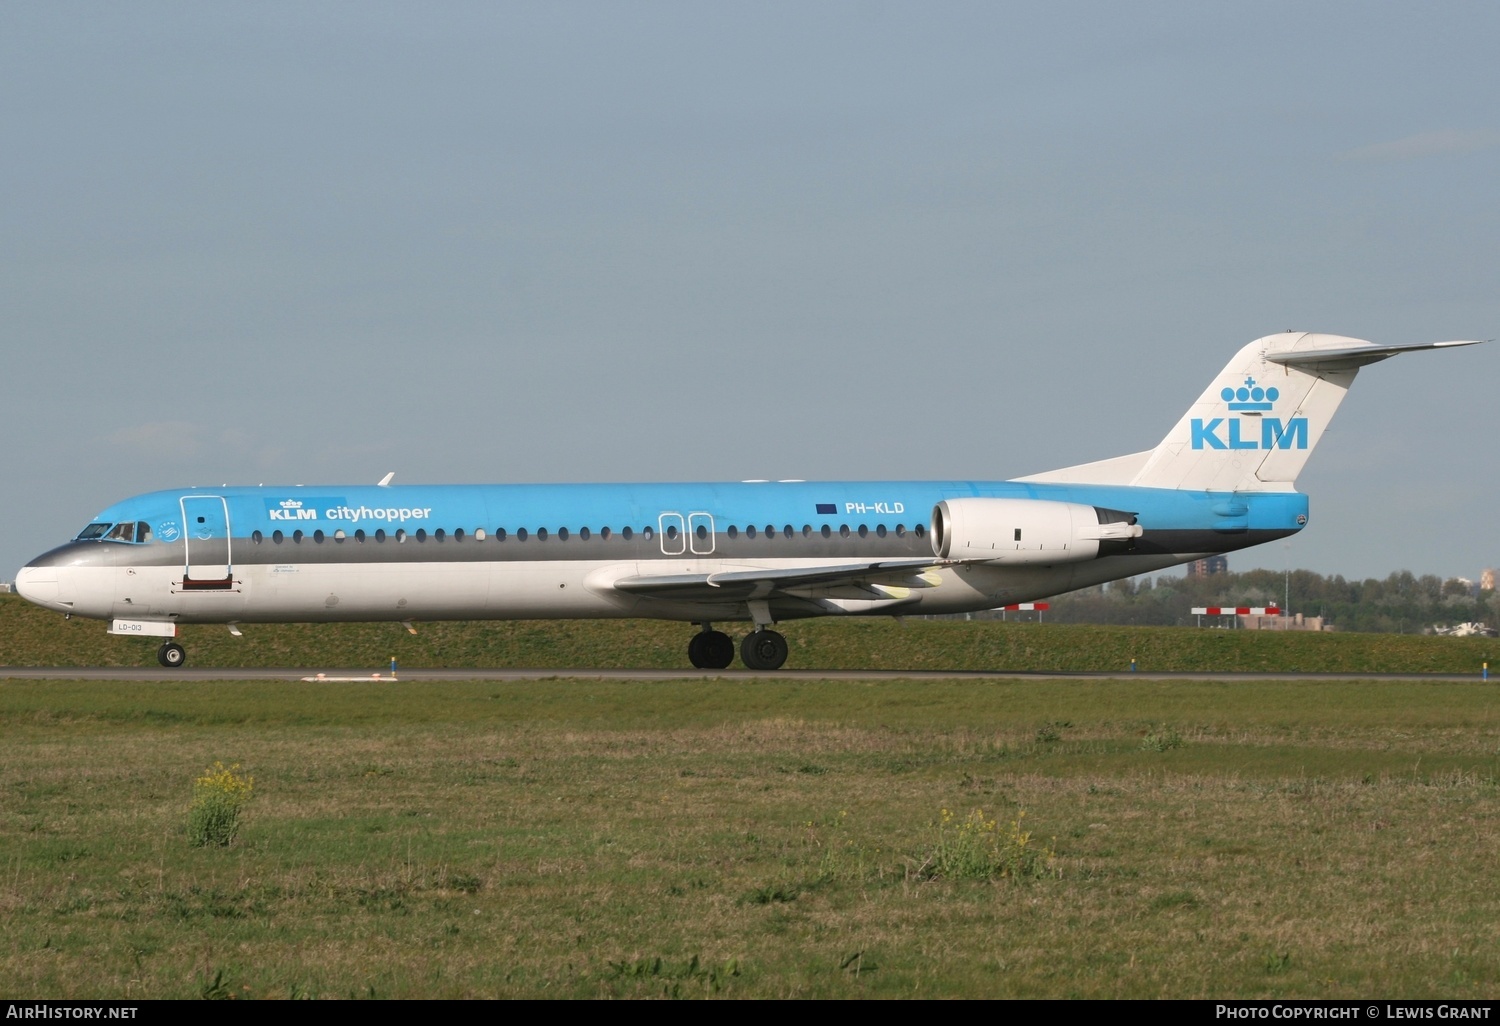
[[1236, 610]]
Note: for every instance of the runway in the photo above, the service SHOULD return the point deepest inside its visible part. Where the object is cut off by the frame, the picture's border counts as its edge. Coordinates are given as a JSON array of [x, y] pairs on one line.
[[334, 675]]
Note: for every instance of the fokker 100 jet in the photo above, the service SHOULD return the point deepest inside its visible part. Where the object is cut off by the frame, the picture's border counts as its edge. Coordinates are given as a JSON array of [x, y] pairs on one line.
[[755, 552]]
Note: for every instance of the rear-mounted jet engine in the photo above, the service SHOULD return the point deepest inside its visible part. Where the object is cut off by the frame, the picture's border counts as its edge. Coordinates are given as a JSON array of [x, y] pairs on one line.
[[1019, 532]]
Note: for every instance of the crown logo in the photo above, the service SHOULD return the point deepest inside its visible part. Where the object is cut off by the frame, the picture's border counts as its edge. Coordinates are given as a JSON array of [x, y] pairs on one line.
[[297, 503], [1250, 396]]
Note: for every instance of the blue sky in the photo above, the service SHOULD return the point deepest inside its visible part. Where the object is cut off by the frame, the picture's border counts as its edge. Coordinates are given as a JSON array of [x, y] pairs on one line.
[[305, 243]]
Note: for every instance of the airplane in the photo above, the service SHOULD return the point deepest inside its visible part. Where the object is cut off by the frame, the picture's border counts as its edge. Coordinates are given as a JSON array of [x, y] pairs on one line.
[[760, 552]]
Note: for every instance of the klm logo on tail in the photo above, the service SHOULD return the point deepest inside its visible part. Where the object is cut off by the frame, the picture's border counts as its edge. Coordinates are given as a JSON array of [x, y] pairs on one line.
[[1255, 400]]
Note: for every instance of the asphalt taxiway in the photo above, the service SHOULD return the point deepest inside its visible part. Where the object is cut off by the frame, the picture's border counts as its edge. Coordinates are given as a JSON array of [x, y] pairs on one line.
[[334, 675]]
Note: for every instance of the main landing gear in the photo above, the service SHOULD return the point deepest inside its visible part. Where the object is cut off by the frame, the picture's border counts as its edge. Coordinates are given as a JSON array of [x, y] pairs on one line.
[[714, 650], [763, 650], [171, 655], [711, 649]]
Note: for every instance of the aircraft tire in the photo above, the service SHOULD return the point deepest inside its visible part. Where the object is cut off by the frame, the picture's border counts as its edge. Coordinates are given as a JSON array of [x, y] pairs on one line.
[[763, 650], [711, 650], [718, 650], [171, 655]]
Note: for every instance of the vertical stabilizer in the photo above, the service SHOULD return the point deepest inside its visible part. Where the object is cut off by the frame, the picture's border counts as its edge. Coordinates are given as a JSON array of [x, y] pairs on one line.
[[1253, 428]]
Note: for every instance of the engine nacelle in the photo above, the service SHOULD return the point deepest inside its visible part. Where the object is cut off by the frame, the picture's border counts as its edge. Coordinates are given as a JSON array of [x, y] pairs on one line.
[[1029, 531]]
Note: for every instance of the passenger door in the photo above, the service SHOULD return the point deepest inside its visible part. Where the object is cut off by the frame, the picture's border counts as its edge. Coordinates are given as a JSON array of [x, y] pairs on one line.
[[207, 561]]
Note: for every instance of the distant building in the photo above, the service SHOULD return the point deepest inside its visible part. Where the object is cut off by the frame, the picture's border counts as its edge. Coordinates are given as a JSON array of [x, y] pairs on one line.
[[1208, 566], [1295, 622]]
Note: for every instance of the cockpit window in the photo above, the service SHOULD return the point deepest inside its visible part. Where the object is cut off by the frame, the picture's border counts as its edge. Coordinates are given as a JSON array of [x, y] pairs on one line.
[[129, 531]]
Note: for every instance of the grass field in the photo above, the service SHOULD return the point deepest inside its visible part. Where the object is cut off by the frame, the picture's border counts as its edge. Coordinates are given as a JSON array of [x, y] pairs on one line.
[[31, 636], [769, 839]]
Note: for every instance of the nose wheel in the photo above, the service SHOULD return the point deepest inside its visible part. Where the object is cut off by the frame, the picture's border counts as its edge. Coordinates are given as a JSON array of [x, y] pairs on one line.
[[171, 655]]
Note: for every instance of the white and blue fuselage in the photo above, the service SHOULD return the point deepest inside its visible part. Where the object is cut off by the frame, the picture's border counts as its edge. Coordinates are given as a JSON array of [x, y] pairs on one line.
[[542, 551]]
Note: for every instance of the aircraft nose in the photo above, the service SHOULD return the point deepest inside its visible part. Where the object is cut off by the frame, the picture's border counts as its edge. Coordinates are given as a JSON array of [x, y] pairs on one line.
[[38, 584]]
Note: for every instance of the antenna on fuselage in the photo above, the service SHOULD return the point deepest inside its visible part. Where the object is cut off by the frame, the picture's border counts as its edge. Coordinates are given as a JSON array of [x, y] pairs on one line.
[[386, 480]]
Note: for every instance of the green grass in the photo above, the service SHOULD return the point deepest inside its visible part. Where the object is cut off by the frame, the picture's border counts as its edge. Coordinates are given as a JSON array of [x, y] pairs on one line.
[[30, 636], [768, 839]]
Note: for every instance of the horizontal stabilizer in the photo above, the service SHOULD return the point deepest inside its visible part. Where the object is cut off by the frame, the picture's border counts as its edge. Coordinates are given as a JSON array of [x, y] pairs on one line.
[[1356, 356]]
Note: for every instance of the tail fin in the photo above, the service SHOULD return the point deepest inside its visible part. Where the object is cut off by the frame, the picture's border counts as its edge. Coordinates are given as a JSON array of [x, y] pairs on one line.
[[1255, 425]]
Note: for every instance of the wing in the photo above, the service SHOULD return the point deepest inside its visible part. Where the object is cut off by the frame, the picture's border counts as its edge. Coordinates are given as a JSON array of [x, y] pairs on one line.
[[886, 579]]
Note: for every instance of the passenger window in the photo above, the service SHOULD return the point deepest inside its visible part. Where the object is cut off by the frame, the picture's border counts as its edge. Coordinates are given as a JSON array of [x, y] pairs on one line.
[[787, 531], [562, 534], [297, 537], [647, 532], [256, 537], [400, 536], [499, 534], [521, 534], [671, 532], [827, 532], [479, 534], [627, 534], [541, 534], [438, 535], [864, 532], [458, 534], [900, 530], [734, 532], [843, 530], [318, 537], [604, 533], [702, 532], [359, 536], [583, 534], [770, 530], [277, 536], [421, 534], [918, 531], [880, 530], [750, 531], [339, 536], [380, 534], [807, 530]]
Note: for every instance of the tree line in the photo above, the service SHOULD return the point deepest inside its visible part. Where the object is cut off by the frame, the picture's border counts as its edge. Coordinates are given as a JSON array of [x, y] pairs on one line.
[[1403, 603]]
